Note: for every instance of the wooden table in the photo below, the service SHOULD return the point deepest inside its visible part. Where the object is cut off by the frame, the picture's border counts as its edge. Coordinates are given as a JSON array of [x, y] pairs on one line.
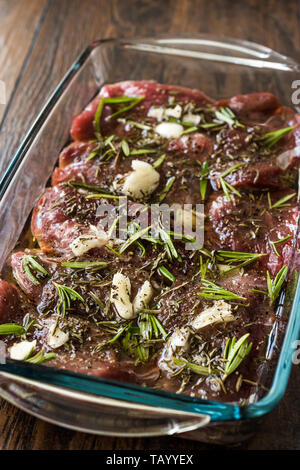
[[39, 41]]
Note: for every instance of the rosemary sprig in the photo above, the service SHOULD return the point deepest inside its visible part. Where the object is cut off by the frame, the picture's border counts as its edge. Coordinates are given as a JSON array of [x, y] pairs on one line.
[[166, 189], [12, 329], [133, 238], [94, 153], [234, 354], [201, 370], [133, 101], [182, 123], [41, 357], [232, 257], [159, 161], [271, 138], [157, 327], [189, 130], [66, 295], [168, 244], [108, 142], [102, 196], [282, 202], [226, 187], [274, 286], [114, 338], [204, 179], [84, 264], [138, 125], [142, 151], [27, 324], [215, 292], [137, 339], [203, 267], [277, 242], [29, 264], [224, 114], [88, 187], [210, 125], [149, 325]]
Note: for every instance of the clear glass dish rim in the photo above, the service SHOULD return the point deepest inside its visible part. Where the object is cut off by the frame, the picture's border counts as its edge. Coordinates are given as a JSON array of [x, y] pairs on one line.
[[218, 411]]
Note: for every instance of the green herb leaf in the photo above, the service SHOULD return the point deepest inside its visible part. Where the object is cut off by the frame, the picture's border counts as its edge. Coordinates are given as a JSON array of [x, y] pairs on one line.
[[189, 130], [234, 354], [66, 295], [281, 202], [204, 179], [224, 114], [115, 100], [142, 151], [233, 257], [271, 138], [29, 263], [277, 242], [84, 264], [166, 189], [215, 292], [41, 357], [201, 370], [228, 188], [159, 161], [133, 238], [168, 243], [125, 147], [166, 273], [138, 125], [274, 286], [11, 329], [134, 102]]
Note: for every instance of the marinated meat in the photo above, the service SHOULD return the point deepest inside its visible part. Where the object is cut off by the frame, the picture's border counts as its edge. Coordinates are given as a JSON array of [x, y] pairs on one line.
[[249, 223], [10, 302], [157, 307], [154, 95]]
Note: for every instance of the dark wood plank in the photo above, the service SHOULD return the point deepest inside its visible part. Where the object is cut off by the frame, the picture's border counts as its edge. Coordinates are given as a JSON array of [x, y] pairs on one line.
[[18, 26], [56, 40]]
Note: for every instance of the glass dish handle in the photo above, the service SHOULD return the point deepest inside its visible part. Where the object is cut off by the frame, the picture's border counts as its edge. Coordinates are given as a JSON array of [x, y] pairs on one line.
[[208, 47], [95, 414]]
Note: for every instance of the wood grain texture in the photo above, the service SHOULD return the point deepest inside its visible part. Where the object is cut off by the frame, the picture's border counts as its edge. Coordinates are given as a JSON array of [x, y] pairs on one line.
[[19, 29], [47, 37]]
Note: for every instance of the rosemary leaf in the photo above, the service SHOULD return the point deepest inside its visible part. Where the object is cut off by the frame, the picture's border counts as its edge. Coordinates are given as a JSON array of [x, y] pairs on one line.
[[204, 179], [84, 264], [115, 100], [215, 292], [234, 354], [29, 263], [166, 189], [201, 370], [66, 295], [166, 273], [224, 114], [159, 161], [281, 202], [271, 138], [125, 148], [41, 357], [11, 329], [138, 234]]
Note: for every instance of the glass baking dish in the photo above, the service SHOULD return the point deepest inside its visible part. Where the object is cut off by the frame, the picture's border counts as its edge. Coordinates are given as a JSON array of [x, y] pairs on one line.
[[221, 68]]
